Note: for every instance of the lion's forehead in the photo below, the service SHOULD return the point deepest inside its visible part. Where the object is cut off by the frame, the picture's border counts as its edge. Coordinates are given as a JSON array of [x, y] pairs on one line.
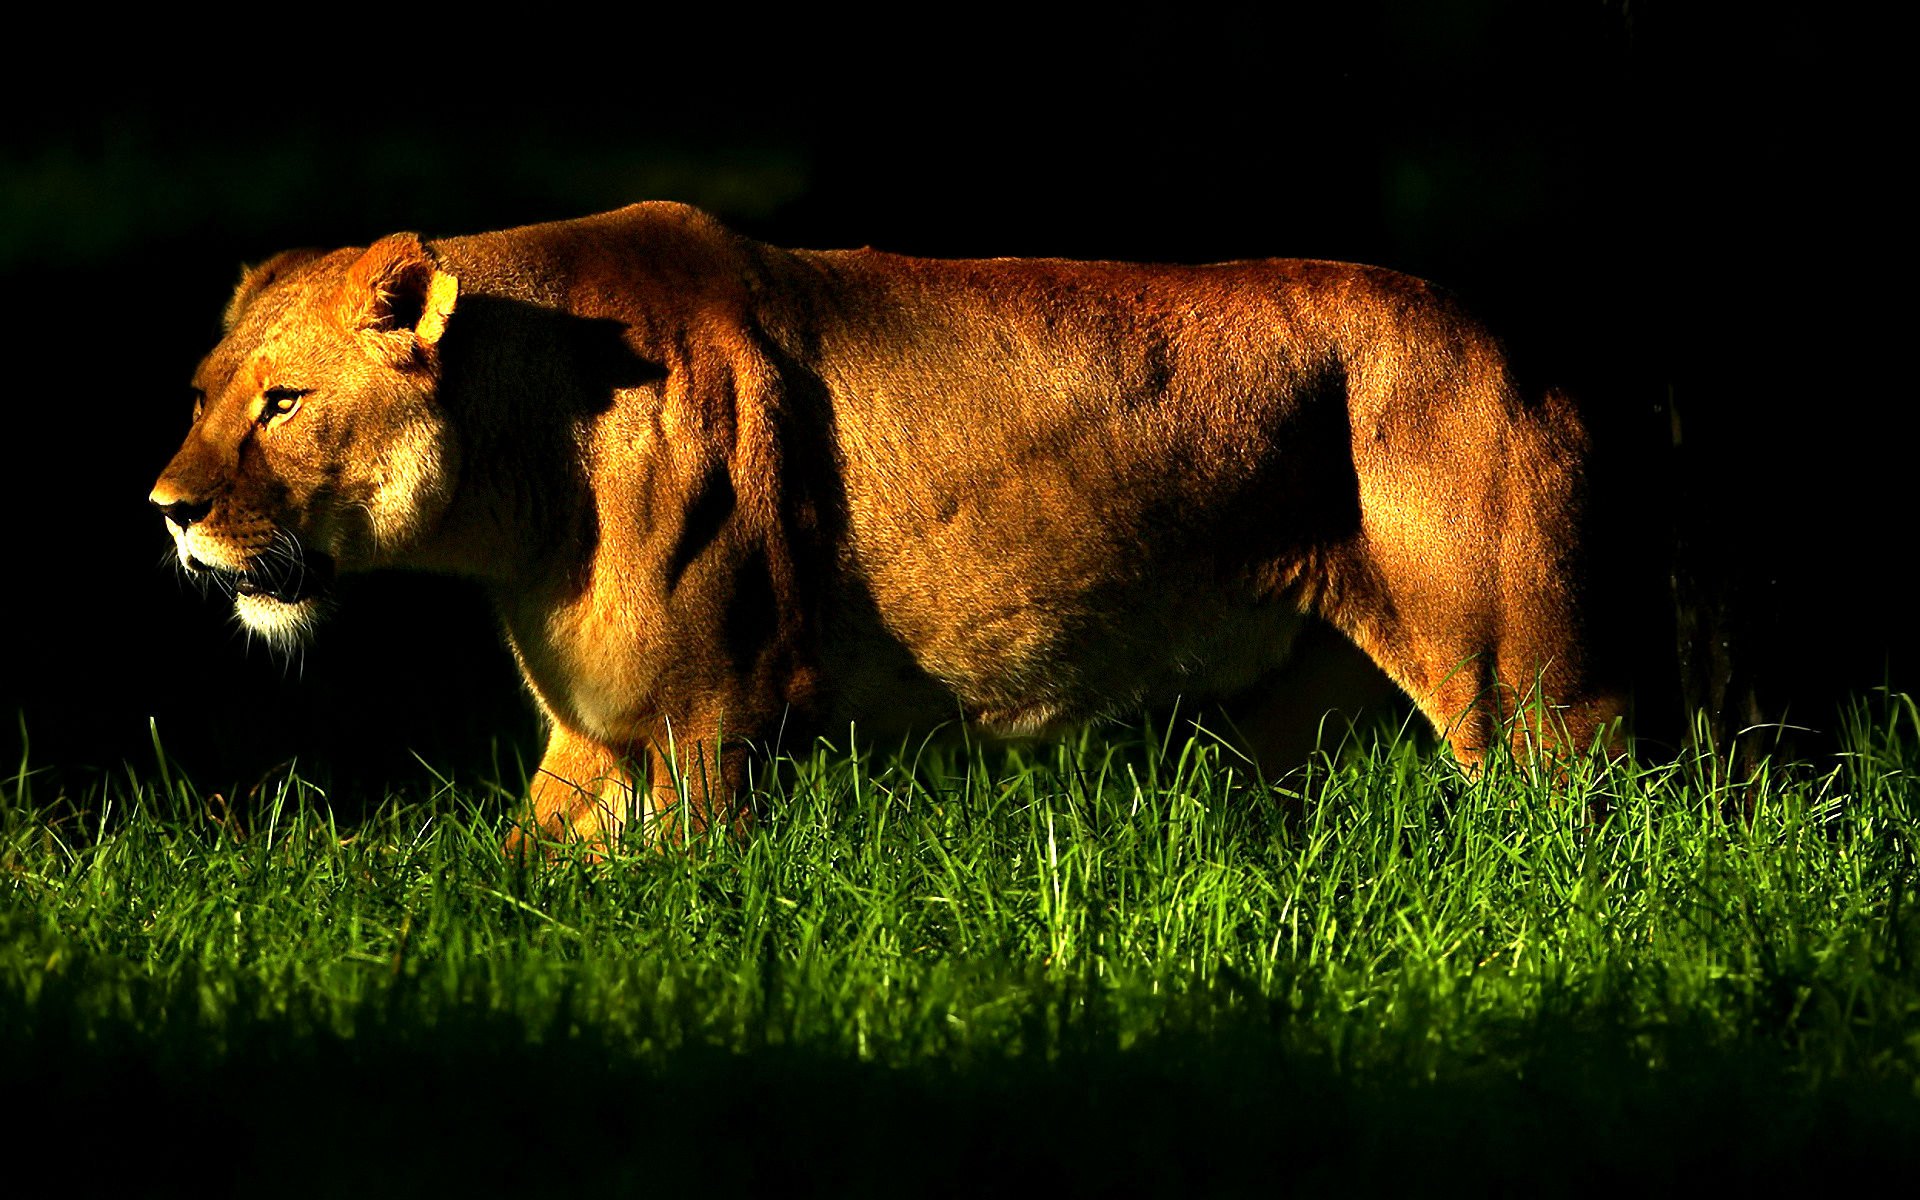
[[298, 351], [305, 344]]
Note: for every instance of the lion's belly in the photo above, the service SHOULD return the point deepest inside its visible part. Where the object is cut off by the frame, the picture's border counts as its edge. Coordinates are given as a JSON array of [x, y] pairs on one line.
[[1037, 661]]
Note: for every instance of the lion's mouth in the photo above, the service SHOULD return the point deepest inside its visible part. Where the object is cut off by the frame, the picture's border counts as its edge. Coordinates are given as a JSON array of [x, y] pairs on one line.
[[285, 577]]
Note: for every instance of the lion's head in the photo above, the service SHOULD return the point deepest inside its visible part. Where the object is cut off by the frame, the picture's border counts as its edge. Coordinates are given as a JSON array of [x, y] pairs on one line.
[[317, 441]]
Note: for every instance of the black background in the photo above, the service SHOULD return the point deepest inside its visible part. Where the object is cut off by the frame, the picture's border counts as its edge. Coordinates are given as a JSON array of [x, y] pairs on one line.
[[1688, 212]]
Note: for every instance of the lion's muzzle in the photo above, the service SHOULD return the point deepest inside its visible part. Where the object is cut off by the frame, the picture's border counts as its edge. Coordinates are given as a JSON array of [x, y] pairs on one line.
[[283, 569]]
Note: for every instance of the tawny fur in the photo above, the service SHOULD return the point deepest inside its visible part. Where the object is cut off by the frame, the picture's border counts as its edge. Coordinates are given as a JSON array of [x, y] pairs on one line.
[[720, 490]]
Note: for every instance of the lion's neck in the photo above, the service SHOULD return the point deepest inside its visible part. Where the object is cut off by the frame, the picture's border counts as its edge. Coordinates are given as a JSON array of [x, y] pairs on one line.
[[511, 520]]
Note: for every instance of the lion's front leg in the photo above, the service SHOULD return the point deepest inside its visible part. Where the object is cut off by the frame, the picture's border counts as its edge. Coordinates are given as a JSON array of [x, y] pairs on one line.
[[587, 792], [699, 783], [583, 791]]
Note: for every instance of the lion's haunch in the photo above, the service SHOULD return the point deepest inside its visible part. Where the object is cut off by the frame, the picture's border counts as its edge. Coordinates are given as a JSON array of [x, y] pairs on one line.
[[723, 492]]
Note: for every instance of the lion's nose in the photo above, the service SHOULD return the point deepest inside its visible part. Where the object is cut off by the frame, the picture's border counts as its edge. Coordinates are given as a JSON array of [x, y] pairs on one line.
[[181, 512]]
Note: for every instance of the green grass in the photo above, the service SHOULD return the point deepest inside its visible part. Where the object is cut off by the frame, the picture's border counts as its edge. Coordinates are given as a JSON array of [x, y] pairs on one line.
[[1080, 969]]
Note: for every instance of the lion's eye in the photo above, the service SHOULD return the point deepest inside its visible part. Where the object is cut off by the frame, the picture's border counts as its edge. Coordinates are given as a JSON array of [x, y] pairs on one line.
[[199, 404], [280, 402]]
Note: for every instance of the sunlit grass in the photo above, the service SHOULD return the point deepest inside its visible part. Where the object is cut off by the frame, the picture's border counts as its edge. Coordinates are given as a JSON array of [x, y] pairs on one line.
[[1129, 943]]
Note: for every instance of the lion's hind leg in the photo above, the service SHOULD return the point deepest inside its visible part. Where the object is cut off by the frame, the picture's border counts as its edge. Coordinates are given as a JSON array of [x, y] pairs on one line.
[[1491, 653]]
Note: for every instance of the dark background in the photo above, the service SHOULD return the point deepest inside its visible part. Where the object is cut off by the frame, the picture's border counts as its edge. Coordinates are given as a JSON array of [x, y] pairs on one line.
[[1690, 214]]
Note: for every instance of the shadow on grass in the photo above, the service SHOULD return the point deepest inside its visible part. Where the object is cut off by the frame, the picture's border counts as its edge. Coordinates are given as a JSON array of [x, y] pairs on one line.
[[479, 1105]]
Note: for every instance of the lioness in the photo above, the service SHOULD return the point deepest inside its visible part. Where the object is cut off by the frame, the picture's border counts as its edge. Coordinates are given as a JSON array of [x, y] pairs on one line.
[[722, 492]]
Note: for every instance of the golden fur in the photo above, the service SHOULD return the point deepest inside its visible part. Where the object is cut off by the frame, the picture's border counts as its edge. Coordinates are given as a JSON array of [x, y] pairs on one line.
[[722, 492]]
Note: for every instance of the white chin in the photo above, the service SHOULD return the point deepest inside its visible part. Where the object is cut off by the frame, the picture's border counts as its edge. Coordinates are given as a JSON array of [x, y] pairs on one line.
[[284, 625]]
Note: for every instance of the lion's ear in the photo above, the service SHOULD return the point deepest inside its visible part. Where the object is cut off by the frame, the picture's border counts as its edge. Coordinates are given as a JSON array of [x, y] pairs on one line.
[[254, 280], [397, 291]]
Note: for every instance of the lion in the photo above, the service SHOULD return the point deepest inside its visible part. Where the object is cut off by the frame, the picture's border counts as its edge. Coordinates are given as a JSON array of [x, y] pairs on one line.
[[723, 494]]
